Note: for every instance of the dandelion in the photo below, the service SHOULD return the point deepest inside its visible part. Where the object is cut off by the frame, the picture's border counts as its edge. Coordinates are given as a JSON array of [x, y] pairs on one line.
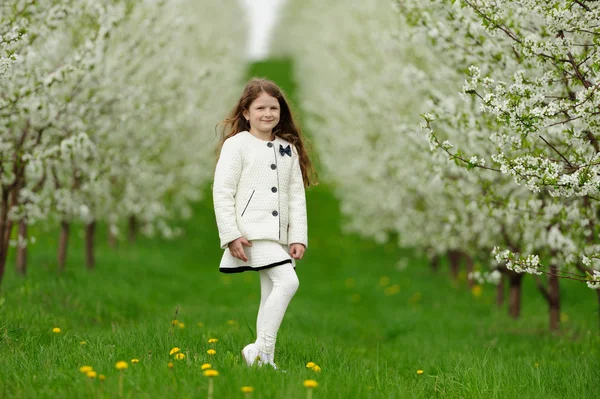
[[316, 369], [85, 369], [310, 365], [82, 343], [56, 330], [231, 322], [102, 377], [91, 374], [206, 366], [537, 365], [179, 356], [476, 291], [310, 385], [419, 372], [135, 360], [213, 341], [122, 365], [180, 325], [174, 350], [170, 365], [349, 283], [200, 324], [210, 373], [247, 391], [384, 281], [355, 298], [174, 322], [211, 352], [392, 290]]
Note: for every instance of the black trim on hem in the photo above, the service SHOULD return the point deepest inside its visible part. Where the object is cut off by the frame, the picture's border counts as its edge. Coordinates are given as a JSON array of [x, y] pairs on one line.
[[240, 269]]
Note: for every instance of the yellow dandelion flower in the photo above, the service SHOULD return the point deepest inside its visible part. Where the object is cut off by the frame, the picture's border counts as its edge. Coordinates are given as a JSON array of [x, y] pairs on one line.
[[206, 366], [247, 389], [211, 373], [316, 369], [179, 356], [213, 341], [310, 365], [82, 343], [85, 369], [211, 352], [135, 360], [121, 365], [355, 298], [170, 365], [56, 330], [102, 377], [310, 383], [392, 290], [349, 283], [231, 322], [564, 317], [477, 290], [384, 281], [180, 325], [174, 322], [91, 374], [537, 365], [200, 324], [174, 350], [419, 372]]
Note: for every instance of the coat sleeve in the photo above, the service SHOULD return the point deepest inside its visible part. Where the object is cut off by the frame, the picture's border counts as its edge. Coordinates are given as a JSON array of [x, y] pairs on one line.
[[227, 177], [298, 226]]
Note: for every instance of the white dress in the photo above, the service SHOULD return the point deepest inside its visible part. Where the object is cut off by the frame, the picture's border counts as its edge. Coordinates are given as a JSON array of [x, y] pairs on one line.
[[261, 255]]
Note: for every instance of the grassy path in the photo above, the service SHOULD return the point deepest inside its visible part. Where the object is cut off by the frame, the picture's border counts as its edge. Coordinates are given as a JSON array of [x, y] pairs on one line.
[[369, 325]]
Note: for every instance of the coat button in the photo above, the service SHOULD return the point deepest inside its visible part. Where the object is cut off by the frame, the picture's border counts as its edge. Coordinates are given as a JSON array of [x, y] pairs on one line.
[[274, 189], [269, 145], [273, 166], [275, 213]]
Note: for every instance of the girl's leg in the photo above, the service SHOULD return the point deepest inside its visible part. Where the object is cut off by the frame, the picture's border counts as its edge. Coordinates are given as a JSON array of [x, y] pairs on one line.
[[266, 286], [285, 284]]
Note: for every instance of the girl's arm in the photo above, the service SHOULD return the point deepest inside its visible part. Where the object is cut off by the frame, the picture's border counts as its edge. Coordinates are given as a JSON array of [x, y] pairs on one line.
[[298, 227], [227, 176]]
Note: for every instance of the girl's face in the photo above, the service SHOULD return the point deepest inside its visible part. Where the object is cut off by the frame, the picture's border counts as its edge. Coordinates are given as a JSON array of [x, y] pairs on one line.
[[263, 114]]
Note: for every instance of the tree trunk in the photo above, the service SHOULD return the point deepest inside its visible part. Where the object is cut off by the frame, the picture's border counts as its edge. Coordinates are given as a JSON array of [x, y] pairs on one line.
[[554, 298], [22, 251], [454, 260], [112, 239], [514, 300], [598, 295], [469, 265], [132, 229], [435, 263], [3, 228], [500, 290], [90, 230], [62, 245]]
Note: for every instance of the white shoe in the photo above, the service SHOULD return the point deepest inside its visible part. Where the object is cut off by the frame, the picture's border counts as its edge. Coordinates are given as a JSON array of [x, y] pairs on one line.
[[268, 359], [251, 354]]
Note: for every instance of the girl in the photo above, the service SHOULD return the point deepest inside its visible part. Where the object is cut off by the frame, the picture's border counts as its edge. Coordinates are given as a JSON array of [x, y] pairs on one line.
[[260, 204]]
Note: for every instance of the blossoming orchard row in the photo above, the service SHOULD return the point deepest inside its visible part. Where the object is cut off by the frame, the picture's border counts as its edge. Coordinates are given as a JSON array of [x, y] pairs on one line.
[[107, 111], [504, 171]]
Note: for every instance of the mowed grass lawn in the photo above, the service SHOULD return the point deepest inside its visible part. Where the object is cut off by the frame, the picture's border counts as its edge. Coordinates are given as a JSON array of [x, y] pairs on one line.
[[367, 323]]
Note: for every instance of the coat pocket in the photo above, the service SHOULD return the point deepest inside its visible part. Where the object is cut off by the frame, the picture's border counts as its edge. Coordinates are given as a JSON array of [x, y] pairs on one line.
[[247, 203]]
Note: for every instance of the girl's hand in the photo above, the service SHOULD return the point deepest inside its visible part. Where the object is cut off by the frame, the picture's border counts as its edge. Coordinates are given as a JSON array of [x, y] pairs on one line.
[[297, 250], [236, 247]]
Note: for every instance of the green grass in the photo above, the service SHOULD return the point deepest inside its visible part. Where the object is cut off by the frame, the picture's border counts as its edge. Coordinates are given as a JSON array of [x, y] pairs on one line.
[[369, 344]]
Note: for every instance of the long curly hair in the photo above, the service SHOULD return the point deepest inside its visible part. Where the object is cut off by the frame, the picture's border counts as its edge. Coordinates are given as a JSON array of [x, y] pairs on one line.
[[286, 129]]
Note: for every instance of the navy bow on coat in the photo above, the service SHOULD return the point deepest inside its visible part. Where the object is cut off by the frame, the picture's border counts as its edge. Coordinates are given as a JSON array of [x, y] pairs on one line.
[[286, 150]]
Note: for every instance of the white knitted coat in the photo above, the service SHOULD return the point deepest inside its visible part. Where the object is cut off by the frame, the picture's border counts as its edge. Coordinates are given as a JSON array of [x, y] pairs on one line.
[[258, 193]]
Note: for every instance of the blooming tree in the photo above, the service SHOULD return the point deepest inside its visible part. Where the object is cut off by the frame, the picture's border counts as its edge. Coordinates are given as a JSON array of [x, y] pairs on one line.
[[108, 110], [374, 71]]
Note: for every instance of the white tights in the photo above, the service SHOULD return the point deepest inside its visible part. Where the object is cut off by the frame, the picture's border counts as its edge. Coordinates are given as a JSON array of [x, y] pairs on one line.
[[277, 287]]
